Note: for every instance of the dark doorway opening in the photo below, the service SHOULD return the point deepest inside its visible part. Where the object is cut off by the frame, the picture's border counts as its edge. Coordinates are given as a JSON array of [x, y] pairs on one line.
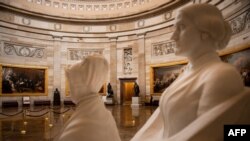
[[127, 90]]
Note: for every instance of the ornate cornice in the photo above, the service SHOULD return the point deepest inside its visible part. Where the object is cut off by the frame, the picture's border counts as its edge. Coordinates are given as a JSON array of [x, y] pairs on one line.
[[93, 12]]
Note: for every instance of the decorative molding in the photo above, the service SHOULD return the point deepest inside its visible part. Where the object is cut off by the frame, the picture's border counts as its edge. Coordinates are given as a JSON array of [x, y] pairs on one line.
[[104, 7], [240, 23], [57, 26], [113, 39], [26, 21], [128, 60], [141, 23], [91, 5], [57, 37], [119, 5], [64, 5], [112, 27], [81, 7], [127, 4], [168, 15], [112, 7], [86, 28], [47, 2], [163, 48], [73, 6], [56, 4], [141, 35], [79, 54], [38, 1], [88, 7], [23, 51]]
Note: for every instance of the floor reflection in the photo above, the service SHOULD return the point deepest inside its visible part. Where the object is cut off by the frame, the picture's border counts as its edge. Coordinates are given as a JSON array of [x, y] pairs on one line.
[[44, 123]]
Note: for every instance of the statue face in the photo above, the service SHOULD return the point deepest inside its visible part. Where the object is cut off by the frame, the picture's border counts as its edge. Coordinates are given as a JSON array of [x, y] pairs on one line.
[[186, 36]]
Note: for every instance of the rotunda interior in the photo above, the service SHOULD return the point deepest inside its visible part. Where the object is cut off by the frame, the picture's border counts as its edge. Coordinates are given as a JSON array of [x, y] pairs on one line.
[[39, 39]]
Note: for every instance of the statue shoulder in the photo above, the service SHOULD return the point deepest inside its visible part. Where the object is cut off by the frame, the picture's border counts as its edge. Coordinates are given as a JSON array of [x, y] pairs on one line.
[[223, 73]]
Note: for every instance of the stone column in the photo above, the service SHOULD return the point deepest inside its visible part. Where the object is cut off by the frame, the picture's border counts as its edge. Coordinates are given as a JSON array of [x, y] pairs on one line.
[[57, 66], [113, 67], [141, 65]]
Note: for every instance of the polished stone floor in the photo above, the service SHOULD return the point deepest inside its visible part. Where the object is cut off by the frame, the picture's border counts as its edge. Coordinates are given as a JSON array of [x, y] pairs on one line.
[[44, 123]]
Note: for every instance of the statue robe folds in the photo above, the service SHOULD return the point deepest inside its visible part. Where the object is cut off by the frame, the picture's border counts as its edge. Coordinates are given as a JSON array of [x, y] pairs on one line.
[[91, 121], [198, 104]]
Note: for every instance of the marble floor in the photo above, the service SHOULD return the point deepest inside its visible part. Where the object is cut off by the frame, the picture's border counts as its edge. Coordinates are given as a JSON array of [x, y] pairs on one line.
[[44, 123]]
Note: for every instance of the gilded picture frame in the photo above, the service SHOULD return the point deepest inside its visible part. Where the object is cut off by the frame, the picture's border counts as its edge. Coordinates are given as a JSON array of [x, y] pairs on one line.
[[20, 80], [162, 75]]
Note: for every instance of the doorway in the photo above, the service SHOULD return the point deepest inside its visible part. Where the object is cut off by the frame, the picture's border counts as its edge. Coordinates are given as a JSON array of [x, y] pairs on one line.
[[127, 90]]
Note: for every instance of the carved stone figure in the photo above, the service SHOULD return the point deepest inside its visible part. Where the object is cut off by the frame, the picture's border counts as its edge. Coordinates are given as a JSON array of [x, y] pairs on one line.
[[91, 121], [209, 93], [110, 91], [56, 99], [136, 90]]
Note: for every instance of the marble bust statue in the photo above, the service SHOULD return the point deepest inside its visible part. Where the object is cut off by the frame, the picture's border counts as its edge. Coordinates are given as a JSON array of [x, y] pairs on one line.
[[91, 121], [209, 93]]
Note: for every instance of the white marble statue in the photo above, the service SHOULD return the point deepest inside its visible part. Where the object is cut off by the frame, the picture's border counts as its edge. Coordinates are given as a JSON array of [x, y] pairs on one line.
[[209, 93], [91, 121]]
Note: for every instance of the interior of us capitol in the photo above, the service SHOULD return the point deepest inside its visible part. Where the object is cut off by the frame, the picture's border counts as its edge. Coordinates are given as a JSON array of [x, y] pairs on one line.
[[40, 39]]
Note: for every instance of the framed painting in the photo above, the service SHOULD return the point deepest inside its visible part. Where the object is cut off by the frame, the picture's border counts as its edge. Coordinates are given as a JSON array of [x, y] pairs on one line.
[[23, 80], [240, 58], [163, 75]]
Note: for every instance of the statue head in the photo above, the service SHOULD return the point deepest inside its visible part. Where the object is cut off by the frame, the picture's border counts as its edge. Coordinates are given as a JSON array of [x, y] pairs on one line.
[[87, 76], [199, 25]]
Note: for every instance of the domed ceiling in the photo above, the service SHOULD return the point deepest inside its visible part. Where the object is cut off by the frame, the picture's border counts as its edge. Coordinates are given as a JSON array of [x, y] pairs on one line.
[[91, 11]]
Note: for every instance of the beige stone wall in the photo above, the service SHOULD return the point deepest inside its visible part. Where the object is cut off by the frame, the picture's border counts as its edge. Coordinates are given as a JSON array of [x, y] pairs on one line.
[[18, 59], [64, 44]]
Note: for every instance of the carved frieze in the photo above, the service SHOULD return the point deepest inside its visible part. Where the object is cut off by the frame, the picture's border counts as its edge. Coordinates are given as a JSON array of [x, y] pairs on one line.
[[24, 51], [163, 48], [79, 54], [128, 60], [241, 22]]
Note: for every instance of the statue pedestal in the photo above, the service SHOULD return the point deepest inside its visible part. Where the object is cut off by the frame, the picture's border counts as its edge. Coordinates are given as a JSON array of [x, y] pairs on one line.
[[109, 100], [135, 102]]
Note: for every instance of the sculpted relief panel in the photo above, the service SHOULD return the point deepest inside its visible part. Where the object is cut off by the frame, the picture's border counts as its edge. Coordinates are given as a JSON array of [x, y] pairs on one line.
[[128, 60], [23, 51], [79, 54], [163, 48], [241, 22]]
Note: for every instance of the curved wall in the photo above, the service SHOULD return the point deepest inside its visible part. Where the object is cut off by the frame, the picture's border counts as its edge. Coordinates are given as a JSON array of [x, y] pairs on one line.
[[144, 40]]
